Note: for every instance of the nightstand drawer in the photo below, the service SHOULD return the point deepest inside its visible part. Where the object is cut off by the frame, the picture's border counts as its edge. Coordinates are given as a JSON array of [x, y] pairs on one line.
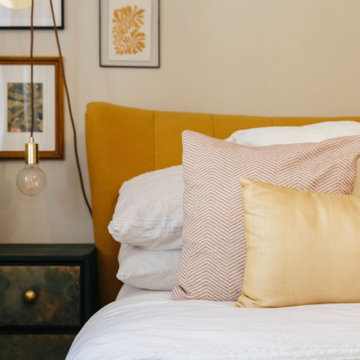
[[53, 295], [34, 347]]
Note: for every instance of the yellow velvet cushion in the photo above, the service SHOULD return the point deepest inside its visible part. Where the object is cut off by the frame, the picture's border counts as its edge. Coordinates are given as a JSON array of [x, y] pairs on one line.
[[303, 247]]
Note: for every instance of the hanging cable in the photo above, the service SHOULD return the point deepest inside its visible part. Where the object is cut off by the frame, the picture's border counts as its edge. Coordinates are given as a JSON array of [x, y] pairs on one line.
[[70, 109], [32, 69]]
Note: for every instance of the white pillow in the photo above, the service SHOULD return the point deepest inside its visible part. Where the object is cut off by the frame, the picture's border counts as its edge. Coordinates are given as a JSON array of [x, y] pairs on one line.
[[149, 212], [295, 134], [146, 269]]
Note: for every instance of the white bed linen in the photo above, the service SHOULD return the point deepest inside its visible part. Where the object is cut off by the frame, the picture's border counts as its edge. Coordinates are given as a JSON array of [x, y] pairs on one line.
[[144, 325], [129, 290]]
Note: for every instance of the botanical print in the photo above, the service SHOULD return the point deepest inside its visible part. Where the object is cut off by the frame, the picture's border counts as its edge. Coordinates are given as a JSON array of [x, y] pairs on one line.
[[19, 107], [127, 36], [130, 30]]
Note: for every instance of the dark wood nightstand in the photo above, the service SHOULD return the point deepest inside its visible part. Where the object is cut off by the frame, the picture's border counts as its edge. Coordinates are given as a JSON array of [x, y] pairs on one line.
[[47, 292]]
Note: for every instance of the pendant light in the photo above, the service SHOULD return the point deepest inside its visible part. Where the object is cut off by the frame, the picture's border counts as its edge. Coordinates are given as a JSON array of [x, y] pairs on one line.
[[16, 4], [31, 180]]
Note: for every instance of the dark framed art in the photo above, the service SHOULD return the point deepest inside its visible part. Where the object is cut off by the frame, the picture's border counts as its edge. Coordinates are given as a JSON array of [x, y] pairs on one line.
[[19, 19], [129, 33], [15, 106]]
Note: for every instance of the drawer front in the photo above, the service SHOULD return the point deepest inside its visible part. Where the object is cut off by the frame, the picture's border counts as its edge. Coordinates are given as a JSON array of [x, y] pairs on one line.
[[34, 347], [56, 290]]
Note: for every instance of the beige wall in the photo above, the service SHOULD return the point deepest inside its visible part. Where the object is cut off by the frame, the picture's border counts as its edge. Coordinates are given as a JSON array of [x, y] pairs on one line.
[[267, 57]]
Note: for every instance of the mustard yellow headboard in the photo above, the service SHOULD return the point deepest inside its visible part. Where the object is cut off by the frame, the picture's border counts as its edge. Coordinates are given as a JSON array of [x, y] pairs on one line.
[[124, 142]]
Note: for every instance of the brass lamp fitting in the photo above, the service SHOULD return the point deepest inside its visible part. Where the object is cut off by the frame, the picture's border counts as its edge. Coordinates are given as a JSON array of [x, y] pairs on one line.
[[31, 152]]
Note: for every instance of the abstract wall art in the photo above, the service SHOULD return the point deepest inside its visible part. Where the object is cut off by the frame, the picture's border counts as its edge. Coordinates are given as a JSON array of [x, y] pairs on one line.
[[129, 33], [15, 106], [19, 19]]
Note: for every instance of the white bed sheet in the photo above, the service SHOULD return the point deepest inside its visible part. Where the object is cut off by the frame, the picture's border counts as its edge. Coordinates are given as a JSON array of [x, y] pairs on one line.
[[148, 325], [128, 291]]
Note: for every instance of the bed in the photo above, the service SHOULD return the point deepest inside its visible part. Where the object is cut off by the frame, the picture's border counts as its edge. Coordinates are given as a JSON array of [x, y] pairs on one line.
[[149, 325], [139, 324]]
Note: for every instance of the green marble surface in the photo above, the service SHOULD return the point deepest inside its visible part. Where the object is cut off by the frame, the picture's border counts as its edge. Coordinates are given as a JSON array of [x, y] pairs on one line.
[[35, 347], [58, 295]]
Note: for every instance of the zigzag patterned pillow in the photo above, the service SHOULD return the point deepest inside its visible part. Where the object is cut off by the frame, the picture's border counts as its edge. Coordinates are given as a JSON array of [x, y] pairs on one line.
[[213, 256]]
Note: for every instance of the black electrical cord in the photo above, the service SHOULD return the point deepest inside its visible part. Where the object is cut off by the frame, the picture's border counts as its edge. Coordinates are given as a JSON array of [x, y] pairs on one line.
[[70, 109]]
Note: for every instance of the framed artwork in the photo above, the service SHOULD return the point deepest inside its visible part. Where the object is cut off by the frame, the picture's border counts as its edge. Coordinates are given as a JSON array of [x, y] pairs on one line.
[[130, 33], [15, 106], [19, 19]]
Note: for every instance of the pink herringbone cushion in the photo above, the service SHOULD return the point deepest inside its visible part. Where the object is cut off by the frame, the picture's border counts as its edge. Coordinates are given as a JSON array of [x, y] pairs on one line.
[[213, 256]]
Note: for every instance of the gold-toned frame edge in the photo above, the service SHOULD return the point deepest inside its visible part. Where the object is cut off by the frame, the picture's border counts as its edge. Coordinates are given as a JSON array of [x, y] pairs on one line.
[[58, 153]]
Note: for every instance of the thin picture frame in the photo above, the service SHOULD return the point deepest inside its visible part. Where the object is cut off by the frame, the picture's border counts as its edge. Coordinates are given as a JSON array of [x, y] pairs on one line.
[[15, 111], [146, 57], [19, 19]]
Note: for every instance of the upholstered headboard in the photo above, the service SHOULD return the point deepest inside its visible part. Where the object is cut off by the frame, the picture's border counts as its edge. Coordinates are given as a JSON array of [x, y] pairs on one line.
[[124, 142]]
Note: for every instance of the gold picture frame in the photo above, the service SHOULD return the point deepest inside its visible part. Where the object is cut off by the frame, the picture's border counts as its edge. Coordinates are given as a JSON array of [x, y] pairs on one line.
[[15, 112]]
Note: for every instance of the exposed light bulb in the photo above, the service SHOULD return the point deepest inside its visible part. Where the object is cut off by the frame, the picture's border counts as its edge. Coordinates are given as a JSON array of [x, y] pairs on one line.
[[16, 4], [31, 180]]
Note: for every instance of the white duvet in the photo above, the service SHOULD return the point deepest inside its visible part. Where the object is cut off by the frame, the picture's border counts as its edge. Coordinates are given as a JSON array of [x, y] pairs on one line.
[[151, 326]]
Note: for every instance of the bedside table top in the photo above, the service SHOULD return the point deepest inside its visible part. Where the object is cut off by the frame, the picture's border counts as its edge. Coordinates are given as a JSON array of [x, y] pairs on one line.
[[51, 251]]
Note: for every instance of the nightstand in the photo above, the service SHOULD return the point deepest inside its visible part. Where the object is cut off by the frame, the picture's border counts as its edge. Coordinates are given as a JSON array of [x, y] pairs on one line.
[[47, 292]]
